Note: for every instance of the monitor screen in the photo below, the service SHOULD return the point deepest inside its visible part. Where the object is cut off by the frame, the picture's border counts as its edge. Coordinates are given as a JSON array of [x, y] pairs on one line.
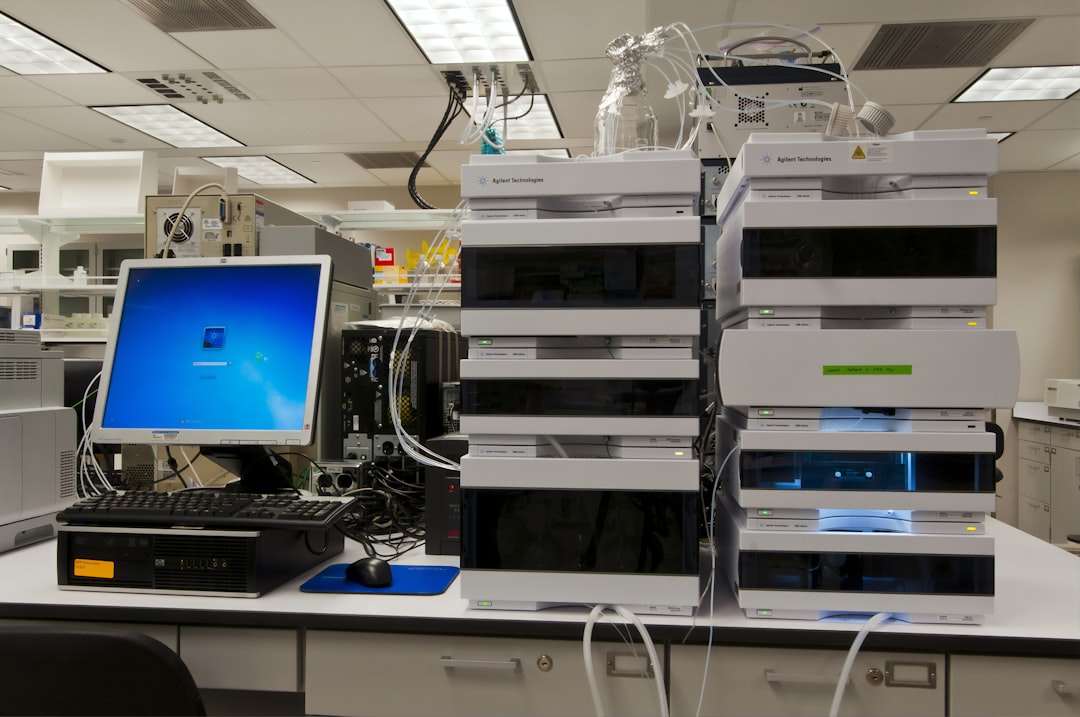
[[214, 352]]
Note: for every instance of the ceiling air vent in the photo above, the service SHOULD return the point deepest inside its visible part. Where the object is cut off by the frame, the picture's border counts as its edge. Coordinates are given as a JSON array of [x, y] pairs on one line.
[[190, 86], [939, 44], [386, 160], [201, 15]]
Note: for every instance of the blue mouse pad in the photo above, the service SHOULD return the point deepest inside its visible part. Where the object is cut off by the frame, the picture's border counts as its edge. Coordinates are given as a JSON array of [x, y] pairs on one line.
[[406, 580]]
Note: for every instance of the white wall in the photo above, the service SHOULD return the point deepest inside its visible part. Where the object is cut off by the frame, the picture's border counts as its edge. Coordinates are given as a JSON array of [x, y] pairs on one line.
[[1038, 292], [1039, 273]]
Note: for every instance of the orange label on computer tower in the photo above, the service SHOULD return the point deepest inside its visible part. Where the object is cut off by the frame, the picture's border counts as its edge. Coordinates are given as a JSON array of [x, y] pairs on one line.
[[94, 568]]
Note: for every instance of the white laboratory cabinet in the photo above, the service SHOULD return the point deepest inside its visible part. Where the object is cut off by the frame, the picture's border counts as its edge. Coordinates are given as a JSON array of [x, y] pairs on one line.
[[767, 682], [1048, 480]]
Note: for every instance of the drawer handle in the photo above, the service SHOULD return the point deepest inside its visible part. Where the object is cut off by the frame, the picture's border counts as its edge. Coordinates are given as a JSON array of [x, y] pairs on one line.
[[1064, 689], [780, 678], [509, 665]]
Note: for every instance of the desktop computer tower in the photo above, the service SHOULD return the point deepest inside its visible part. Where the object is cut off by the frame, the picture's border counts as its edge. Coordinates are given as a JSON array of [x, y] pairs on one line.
[[366, 422], [442, 497]]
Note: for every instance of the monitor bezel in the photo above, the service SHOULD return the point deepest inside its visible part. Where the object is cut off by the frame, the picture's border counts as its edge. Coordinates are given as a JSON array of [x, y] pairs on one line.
[[171, 435]]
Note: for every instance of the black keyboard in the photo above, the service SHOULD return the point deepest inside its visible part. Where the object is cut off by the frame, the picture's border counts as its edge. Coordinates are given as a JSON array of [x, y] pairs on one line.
[[208, 508]]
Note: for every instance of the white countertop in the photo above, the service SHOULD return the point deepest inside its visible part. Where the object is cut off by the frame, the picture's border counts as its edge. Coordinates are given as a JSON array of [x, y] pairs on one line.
[[1037, 411], [1037, 597]]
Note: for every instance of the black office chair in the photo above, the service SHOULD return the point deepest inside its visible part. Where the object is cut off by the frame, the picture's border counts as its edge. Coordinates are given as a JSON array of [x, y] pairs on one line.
[[62, 671]]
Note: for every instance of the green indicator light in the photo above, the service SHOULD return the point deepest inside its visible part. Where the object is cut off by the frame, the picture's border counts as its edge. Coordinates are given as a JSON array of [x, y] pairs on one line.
[[765, 412], [868, 370], [484, 342], [766, 312], [764, 512], [764, 613], [483, 603]]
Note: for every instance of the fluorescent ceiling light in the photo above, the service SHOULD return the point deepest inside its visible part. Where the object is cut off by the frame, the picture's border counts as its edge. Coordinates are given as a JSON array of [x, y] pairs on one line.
[[28, 52], [526, 118], [456, 31], [1000, 136], [169, 124], [1007, 84], [260, 170]]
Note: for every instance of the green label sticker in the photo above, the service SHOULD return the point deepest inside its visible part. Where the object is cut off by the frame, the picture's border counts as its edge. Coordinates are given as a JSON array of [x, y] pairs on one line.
[[882, 370]]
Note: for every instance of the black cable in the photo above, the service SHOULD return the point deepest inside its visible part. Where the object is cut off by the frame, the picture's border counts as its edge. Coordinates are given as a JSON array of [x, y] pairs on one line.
[[532, 101], [448, 118], [387, 515]]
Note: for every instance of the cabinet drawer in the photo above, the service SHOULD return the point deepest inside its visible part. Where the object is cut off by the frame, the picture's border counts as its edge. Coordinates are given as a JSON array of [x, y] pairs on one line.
[[357, 673], [1031, 431], [1033, 480], [235, 658], [165, 634], [1038, 452], [987, 686], [1065, 437], [1033, 517], [750, 681]]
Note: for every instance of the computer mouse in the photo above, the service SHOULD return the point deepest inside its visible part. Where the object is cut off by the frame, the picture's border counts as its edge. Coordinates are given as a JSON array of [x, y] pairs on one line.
[[369, 572]]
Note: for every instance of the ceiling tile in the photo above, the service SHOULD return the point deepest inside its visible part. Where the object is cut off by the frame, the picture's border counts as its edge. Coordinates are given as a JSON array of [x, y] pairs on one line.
[[238, 49], [573, 75], [809, 14], [110, 89], [414, 119], [994, 116], [1072, 164], [21, 174], [253, 123], [106, 31], [912, 87], [1036, 150], [576, 112], [693, 13], [18, 134], [336, 121], [90, 127], [1067, 116], [18, 91], [344, 32], [290, 83], [910, 117], [400, 177], [1049, 41], [448, 162], [407, 81], [571, 29], [328, 170]]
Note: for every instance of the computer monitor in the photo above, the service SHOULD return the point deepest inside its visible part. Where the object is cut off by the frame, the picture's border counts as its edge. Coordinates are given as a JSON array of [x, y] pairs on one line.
[[222, 353]]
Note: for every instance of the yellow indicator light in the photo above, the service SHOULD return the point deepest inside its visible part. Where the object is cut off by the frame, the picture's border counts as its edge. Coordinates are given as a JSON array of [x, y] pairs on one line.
[[974, 192], [973, 323], [680, 453], [971, 528]]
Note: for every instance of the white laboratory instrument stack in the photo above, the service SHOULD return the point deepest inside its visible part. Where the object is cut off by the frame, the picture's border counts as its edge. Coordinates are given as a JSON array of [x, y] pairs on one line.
[[857, 374], [37, 440], [580, 295]]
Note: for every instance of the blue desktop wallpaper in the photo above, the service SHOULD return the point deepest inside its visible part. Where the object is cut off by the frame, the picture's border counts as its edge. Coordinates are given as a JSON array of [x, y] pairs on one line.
[[214, 348]]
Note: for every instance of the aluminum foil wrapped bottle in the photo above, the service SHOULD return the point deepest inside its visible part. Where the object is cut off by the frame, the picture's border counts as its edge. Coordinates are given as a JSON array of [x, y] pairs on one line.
[[625, 119]]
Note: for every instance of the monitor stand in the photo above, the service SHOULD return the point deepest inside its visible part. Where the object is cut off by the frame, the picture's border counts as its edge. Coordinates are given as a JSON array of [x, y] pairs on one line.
[[259, 468]]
